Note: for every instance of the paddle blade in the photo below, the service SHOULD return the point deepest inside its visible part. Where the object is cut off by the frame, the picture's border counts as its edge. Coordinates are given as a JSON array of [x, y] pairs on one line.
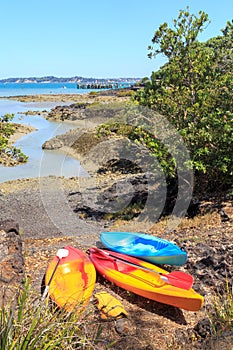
[[178, 279]]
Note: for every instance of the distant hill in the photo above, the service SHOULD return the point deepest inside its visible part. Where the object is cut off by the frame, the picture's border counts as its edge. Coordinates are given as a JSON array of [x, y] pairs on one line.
[[75, 79]]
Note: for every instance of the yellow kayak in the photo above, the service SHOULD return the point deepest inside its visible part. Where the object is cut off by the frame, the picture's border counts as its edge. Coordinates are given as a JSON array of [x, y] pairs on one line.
[[74, 280], [145, 279]]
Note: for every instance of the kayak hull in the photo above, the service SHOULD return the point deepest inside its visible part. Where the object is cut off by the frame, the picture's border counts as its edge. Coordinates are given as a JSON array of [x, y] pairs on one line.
[[144, 283], [144, 246], [74, 280]]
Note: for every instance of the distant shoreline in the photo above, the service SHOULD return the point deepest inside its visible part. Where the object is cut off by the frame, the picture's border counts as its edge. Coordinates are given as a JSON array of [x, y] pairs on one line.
[[75, 79]]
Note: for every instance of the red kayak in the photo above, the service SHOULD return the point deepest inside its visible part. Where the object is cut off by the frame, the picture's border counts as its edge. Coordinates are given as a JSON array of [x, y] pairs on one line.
[[146, 279]]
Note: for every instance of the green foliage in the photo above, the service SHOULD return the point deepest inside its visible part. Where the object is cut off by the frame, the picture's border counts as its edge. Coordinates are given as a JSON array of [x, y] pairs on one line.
[[6, 129], [30, 324], [194, 92], [8, 151], [142, 137], [125, 93]]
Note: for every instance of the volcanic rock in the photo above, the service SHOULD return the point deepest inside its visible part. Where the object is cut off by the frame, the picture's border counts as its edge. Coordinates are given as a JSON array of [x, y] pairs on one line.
[[11, 260]]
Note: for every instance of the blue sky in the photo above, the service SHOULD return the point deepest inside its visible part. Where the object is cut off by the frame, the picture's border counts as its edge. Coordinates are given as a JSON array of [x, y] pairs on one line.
[[93, 38]]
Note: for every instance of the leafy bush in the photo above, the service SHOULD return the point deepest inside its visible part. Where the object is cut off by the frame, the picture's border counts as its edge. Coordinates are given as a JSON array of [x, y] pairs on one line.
[[194, 92], [6, 129], [8, 151], [125, 93]]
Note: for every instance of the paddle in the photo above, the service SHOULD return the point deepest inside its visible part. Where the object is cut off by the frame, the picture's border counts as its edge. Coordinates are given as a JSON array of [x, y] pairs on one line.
[[178, 279], [61, 253]]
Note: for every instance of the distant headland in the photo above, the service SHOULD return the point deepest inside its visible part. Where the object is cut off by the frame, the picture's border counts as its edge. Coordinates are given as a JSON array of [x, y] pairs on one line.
[[75, 79]]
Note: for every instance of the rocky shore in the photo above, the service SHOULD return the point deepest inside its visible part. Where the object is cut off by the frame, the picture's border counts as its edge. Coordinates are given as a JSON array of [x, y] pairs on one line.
[[107, 96], [20, 131], [207, 239], [35, 204]]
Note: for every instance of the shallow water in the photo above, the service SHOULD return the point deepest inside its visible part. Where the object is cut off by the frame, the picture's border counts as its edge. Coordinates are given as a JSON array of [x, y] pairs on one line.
[[40, 162]]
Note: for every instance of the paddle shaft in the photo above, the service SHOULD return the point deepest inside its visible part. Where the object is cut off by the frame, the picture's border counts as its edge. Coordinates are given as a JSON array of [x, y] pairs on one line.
[[134, 265], [50, 280]]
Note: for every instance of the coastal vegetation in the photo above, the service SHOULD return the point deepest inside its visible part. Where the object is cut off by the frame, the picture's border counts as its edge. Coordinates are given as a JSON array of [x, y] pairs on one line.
[[7, 151], [194, 91]]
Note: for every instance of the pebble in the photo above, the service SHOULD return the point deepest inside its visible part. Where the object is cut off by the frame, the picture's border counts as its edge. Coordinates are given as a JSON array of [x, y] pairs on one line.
[[123, 326]]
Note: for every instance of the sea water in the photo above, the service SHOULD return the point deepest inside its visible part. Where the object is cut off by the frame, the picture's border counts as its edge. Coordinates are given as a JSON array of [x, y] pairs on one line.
[[20, 89], [40, 162]]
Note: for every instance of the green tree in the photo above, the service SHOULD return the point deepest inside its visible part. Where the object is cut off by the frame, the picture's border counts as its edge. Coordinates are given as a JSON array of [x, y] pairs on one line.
[[194, 91], [8, 151]]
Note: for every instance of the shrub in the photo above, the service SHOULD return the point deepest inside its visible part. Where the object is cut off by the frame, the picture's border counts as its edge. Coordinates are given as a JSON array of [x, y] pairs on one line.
[[8, 151], [194, 92]]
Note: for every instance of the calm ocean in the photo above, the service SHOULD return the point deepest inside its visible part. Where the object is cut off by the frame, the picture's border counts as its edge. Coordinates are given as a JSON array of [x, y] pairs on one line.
[[18, 89]]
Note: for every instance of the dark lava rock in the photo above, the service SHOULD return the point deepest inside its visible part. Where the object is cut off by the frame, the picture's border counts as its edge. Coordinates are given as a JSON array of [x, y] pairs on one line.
[[211, 265], [9, 226], [11, 260], [203, 327]]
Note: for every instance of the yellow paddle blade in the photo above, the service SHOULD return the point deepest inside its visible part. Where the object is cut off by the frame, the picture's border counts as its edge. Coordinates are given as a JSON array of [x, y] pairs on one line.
[[109, 306]]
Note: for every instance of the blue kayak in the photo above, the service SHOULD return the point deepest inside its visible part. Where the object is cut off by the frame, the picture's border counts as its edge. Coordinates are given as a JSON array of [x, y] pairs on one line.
[[144, 246]]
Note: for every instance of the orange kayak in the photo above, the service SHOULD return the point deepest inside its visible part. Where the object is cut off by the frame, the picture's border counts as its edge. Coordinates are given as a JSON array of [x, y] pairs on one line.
[[141, 280], [74, 280]]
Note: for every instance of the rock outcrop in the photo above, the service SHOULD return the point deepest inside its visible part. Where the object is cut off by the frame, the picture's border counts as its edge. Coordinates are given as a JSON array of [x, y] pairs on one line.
[[92, 111], [11, 260]]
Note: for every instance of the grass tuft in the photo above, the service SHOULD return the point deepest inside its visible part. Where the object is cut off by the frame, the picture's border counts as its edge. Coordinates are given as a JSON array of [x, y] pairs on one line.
[[221, 317], [29, 323]]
